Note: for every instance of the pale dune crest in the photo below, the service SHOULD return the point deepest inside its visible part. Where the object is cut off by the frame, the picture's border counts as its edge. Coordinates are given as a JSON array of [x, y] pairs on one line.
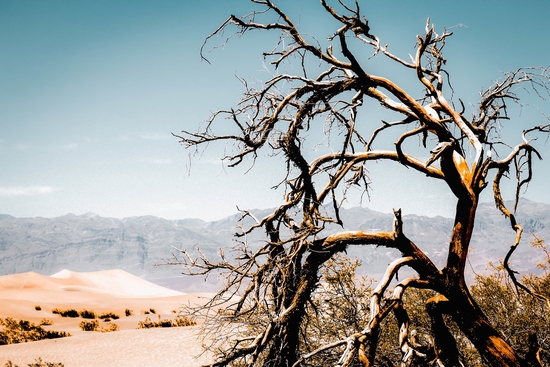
[[115, 281]]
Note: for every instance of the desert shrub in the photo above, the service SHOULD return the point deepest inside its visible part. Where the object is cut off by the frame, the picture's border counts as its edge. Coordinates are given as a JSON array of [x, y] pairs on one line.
[[128, 312], [152, 310], [37, 308], [22, 331], [109, 328], [45, 322], [146, 324], [89, 325], [181, 321], [37, 363], [109, 315], [87, 314], [516, 314], [94, 326], [178, 322], [144, 312], [66, 313], [70, 313], [53, 334]]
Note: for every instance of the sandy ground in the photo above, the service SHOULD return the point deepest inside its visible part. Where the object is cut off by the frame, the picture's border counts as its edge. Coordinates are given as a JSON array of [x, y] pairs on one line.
[[149, 347], [105, 291]]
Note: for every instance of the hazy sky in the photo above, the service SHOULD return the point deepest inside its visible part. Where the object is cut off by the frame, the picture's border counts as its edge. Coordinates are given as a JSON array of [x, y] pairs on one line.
[[91, 90]]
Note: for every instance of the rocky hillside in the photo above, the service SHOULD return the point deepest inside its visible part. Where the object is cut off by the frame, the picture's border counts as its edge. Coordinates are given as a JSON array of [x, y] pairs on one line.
[[139, 244]]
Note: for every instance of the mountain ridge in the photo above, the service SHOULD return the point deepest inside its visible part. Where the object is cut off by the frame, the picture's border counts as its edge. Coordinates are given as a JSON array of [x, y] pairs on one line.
[[141, 244]]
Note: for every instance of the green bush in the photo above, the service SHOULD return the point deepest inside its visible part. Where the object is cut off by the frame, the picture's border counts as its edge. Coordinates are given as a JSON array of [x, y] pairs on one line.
[[25, 331]]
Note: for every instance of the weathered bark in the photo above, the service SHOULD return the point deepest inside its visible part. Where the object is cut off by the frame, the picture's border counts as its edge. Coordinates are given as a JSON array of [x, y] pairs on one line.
[[465, 312], [473, 323], [446, 351], [290, 321]]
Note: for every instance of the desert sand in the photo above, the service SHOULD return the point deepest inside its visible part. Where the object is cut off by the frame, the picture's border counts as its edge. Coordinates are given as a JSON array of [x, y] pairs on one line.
[[103, 291]]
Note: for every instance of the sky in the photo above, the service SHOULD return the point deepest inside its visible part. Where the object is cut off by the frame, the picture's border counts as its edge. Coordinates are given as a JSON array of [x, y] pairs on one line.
[[90, 92]]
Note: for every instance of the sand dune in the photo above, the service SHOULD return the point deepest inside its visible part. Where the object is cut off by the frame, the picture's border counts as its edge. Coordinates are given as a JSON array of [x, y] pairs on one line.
[[103, 291], [117, 282]]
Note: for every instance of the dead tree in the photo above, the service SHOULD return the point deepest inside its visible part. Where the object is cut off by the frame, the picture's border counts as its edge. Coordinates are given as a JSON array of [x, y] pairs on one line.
[[269, 287]]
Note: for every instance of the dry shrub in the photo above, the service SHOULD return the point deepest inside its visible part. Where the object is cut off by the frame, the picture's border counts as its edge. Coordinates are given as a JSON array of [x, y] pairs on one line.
[[87, 314], [109, 328], [179, 321], [45, 322], [89, 325], [94, 326], [22, 331], [66, 313], [37, 363], [109, 315]]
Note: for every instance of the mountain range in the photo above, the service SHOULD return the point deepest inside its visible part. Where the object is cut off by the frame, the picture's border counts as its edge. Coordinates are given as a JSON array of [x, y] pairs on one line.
[[141, 245]]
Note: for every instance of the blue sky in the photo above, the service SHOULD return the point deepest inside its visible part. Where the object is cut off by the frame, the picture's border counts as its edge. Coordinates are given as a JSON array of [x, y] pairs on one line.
[[91, 90]]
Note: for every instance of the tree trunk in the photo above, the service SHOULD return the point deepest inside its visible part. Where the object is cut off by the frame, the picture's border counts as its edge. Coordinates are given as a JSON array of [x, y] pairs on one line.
[[465, 312], [474, 324]]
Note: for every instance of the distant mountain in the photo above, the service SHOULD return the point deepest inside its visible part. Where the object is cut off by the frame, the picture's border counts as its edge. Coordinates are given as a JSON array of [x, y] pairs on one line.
[[137, 245], [90, 243]]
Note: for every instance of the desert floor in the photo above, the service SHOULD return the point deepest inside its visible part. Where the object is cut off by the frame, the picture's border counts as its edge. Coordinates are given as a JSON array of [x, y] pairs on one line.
[[105, 291]]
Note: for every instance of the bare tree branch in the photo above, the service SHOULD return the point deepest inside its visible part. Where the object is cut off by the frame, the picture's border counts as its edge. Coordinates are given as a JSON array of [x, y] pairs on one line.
[[268, 301]]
